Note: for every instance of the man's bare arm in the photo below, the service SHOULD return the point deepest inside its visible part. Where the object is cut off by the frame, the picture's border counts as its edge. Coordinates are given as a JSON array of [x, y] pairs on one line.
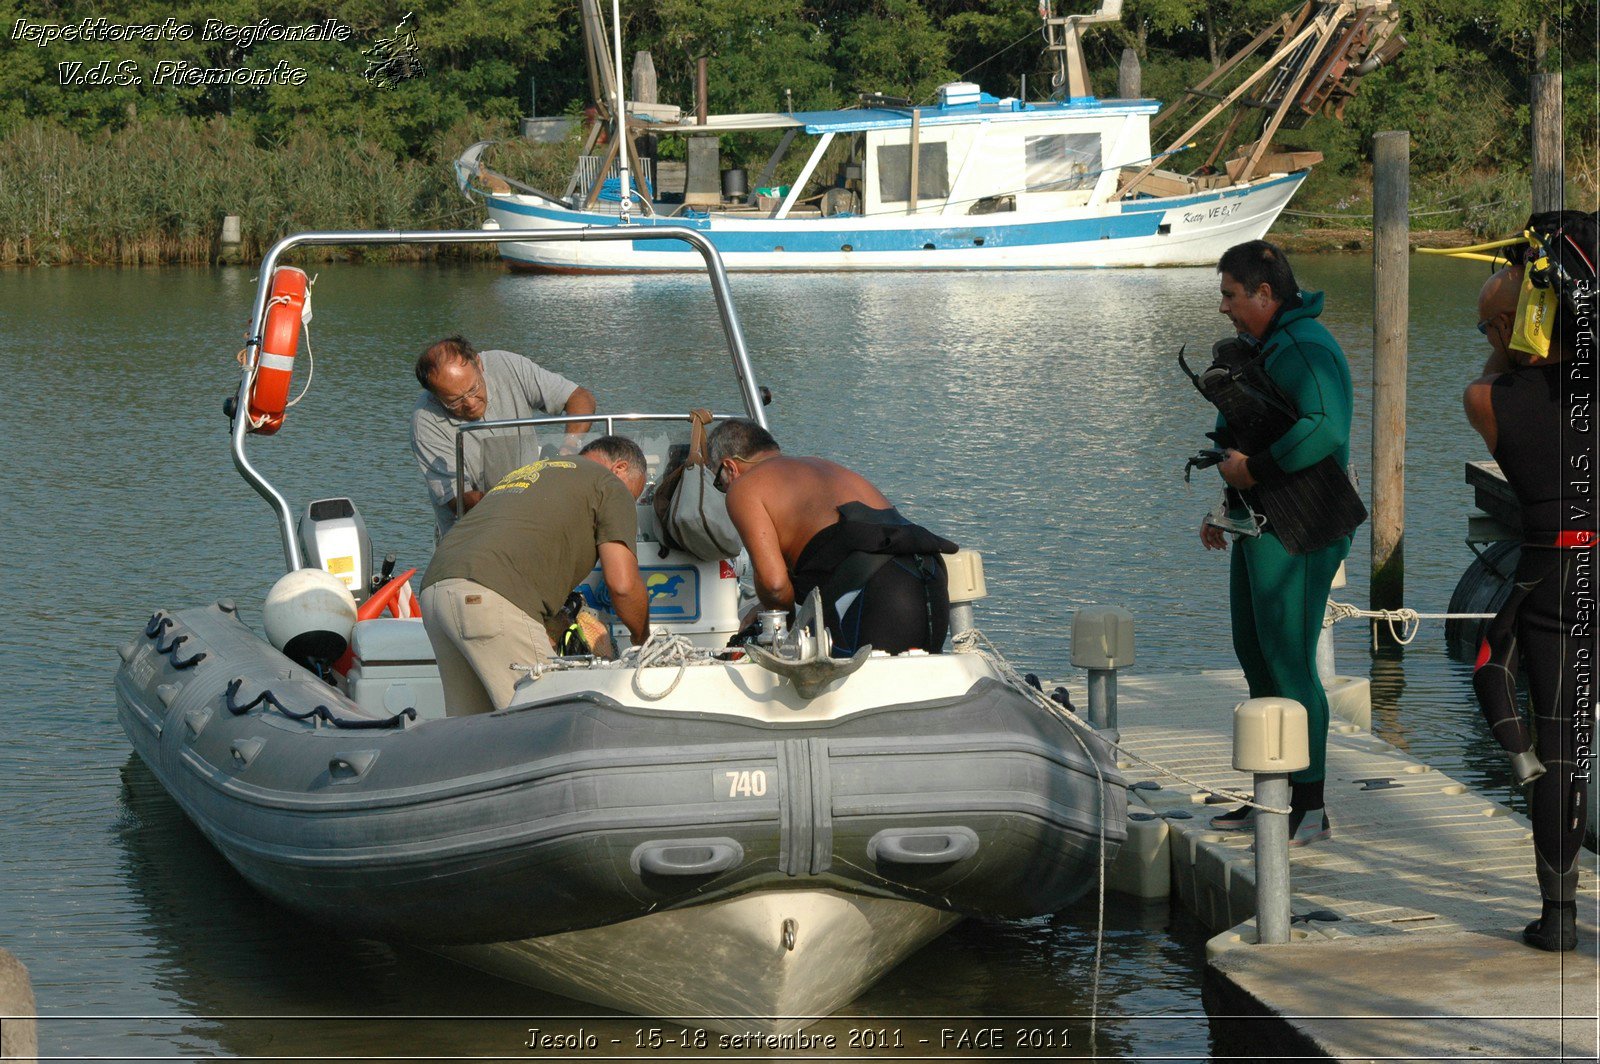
[[629, 599], [760, 538], [581, 401], [1479, 405], [469, 499]]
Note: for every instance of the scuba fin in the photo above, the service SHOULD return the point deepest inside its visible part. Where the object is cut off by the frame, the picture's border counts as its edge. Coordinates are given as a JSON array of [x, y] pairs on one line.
[[1306, 509]]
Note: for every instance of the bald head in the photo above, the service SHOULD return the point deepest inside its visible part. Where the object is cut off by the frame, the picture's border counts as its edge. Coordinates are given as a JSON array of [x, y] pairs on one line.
[[1499, 292], [1497, 306]]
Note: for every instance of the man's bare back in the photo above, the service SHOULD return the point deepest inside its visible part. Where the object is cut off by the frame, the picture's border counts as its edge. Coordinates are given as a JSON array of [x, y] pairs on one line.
[[778, 503], [802, 496]]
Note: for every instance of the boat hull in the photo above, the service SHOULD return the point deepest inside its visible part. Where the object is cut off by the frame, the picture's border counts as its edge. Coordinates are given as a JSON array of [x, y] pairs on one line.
[[767, 963], [578, 814], [1190, 230]]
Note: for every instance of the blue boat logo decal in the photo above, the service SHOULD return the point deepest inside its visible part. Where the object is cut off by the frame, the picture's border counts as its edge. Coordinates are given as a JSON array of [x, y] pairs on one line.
[[674, 592]]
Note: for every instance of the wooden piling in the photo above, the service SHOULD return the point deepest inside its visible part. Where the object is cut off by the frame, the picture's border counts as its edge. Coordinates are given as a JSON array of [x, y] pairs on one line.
[[1129, 77], [1391, 277], [644, 78], [1549, 164], [700, 92], [19, 1032]]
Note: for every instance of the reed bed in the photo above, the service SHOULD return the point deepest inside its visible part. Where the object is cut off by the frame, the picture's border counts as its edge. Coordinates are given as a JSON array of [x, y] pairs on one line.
[[156, 191]]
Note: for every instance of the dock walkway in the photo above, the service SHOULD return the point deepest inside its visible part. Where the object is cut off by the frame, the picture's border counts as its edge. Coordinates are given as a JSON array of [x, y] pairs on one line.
[[1430, 881]]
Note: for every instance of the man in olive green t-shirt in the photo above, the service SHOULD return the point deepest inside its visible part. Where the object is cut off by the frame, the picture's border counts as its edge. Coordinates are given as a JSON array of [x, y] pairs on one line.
[[509, 564]]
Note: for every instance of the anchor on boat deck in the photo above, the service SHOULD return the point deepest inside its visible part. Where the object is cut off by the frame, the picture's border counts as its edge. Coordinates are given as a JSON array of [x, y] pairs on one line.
[[804, 655]]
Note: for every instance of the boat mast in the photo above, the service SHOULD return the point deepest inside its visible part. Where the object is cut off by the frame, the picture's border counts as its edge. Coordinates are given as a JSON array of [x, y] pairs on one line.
[[622, 110], [1064, 43]]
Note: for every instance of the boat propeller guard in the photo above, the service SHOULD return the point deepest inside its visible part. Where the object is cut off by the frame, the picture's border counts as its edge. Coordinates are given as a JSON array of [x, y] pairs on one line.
[[805, 654]]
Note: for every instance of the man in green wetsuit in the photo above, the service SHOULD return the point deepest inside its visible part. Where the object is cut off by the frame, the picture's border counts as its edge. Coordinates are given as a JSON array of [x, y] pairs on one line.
[[1277, 599]]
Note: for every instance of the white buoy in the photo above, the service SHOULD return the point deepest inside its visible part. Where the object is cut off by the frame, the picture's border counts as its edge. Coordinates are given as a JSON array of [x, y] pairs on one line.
[[309, 615]]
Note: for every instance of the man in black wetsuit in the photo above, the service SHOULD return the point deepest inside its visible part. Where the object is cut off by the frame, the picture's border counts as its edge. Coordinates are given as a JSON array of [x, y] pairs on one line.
[[809, 522], [1524, 408]]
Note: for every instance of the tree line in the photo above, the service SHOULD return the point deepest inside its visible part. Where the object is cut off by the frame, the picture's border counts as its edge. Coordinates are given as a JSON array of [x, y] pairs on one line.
[[83, 86]]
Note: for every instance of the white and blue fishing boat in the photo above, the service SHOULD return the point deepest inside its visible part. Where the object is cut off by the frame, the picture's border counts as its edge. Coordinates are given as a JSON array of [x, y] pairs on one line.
[[970, 181]]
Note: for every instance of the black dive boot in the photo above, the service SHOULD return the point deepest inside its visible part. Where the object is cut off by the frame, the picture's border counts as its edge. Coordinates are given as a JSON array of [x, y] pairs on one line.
[[1556, 930]]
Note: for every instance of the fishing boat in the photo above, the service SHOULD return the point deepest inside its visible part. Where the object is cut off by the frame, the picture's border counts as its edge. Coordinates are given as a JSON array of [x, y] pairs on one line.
[[968, 181], [745, 838]]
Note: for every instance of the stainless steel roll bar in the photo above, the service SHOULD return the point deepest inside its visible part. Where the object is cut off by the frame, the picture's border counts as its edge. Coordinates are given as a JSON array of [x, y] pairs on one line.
[[696, 240], [554, 419]]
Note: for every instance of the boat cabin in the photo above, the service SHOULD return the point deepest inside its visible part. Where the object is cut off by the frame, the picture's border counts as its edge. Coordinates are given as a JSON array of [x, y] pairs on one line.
[[974, 154]]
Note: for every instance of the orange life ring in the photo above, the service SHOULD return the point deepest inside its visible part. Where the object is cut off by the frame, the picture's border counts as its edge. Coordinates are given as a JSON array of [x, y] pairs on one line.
[[280, 338], [394, 597]]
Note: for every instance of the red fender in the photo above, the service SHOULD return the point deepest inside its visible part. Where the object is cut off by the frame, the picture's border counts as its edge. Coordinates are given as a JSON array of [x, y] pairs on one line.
[[280, 338]]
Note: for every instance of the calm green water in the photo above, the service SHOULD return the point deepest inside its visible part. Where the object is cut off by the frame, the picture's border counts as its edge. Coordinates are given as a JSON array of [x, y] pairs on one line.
[[1037, 417]]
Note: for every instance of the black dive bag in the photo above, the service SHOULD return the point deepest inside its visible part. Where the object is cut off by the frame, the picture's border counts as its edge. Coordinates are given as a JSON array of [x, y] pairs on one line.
[[1307, 509]]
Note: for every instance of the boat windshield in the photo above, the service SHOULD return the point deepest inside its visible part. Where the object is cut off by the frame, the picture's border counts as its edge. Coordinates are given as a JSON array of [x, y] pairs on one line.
[[505, 446]]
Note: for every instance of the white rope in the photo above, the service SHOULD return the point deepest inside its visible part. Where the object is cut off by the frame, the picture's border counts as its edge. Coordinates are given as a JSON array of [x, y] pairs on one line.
[[311, 360], [662, 650], [973, 641], [1408, 620], [966, 643]]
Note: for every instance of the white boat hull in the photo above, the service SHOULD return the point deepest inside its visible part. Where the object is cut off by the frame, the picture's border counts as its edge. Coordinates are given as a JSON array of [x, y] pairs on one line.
[[726, 966], [1167, 231]]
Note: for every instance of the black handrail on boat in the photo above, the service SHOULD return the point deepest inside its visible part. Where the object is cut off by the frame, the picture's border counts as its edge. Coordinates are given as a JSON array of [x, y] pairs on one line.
[[696, 240]]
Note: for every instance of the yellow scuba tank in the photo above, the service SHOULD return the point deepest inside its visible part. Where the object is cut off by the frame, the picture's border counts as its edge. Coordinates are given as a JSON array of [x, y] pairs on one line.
[[1537, 303]]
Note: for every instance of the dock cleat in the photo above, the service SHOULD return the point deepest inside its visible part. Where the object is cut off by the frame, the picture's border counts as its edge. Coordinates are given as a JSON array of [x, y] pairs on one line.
[[1309, 826]]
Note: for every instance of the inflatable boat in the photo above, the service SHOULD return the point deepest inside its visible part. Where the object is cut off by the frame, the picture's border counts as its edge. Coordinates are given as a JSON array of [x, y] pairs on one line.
[[733, 837]]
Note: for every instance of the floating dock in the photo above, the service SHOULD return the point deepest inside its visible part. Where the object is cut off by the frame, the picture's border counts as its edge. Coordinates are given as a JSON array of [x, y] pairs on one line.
[[1406, 936]]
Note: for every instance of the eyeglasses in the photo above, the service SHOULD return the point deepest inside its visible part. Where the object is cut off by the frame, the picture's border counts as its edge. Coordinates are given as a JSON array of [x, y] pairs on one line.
[[464, 398], [719, 480], [1483, 326]]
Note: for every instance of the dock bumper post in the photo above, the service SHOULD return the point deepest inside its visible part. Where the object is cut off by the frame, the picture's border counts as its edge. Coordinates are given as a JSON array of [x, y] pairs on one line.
[[965, 582], [1270, 740], [1102, 642]]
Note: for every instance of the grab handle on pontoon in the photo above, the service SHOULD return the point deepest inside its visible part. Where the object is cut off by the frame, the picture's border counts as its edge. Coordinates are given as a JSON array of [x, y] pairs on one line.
[[923, 845], [687, 857]]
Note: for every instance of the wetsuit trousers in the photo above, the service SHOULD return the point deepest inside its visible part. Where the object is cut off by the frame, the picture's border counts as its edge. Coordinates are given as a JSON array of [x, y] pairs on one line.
[[906, 605], [1544, 628], [1277, 602]]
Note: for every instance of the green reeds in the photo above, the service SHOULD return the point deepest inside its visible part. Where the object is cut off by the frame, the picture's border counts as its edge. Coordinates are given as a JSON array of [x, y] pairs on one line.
[[156, 191]]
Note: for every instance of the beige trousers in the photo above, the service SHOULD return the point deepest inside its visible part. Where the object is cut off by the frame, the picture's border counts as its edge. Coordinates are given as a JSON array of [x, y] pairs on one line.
[[477, 637]]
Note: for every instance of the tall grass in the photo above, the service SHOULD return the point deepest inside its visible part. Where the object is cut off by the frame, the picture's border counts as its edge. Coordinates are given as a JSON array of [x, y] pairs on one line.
[[156, 191]]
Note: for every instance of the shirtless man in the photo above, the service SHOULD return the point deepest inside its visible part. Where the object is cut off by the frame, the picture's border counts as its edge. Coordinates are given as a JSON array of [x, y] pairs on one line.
[[809, 522]]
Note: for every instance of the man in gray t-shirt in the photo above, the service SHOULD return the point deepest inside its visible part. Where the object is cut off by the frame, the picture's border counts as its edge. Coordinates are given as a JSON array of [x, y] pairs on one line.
[[460, 385]]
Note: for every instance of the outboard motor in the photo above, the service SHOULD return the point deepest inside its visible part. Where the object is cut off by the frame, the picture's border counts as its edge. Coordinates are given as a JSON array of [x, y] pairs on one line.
[[334, 539]]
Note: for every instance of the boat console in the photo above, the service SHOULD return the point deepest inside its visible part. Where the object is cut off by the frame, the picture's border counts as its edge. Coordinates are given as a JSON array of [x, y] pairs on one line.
[[392, 664]]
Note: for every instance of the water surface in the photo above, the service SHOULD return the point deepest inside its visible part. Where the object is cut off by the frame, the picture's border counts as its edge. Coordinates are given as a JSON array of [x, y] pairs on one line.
[[1037, 417]]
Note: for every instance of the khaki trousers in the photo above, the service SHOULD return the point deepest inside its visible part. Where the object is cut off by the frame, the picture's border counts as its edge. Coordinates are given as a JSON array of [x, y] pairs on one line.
[[477, 636]]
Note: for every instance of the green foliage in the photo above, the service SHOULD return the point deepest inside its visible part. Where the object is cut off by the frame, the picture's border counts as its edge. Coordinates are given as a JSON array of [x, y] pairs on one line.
[[139, 171], [894, 47]]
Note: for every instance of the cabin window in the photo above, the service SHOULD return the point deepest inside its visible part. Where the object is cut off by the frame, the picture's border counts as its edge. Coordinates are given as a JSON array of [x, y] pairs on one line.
[[894, 172], [1062, 162]]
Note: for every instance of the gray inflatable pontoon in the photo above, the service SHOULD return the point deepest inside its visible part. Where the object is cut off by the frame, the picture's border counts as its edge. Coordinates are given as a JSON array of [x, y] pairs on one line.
[[579, 811], [745, 839]]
